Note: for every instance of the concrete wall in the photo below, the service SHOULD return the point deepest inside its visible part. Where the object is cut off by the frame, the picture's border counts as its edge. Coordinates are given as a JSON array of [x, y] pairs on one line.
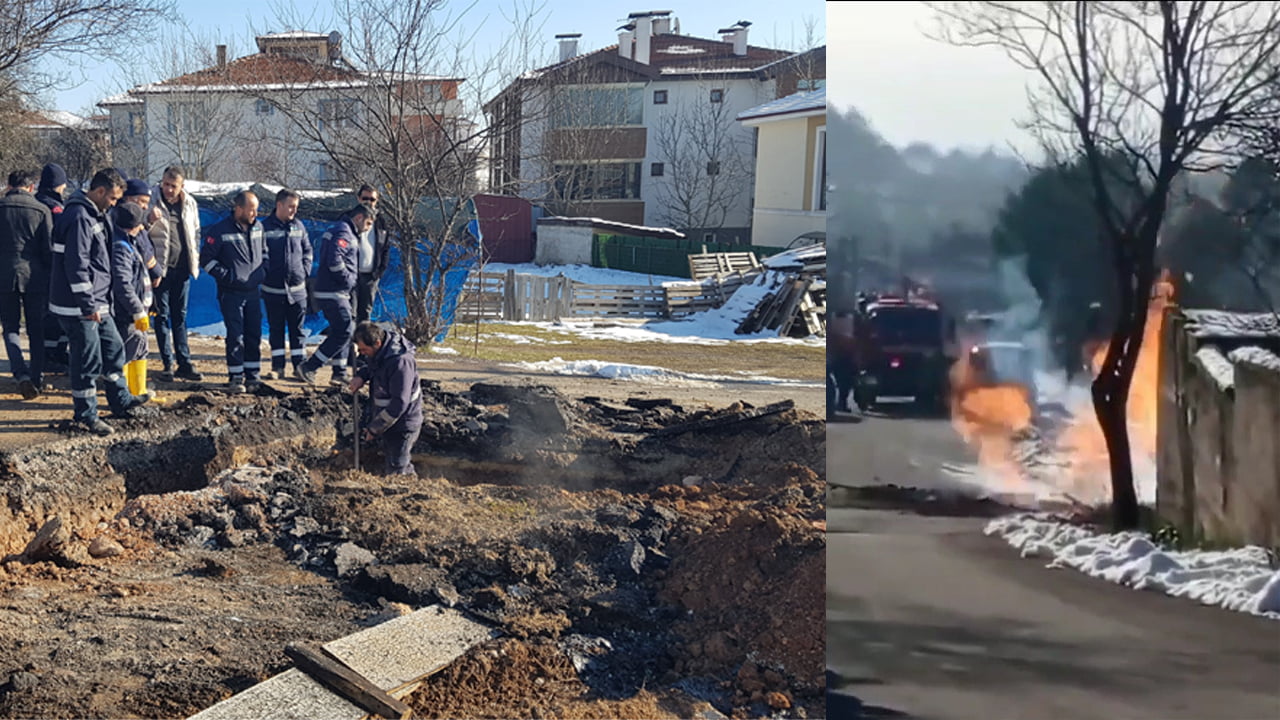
[[1218, 460], [1254, 498], [563, 245]]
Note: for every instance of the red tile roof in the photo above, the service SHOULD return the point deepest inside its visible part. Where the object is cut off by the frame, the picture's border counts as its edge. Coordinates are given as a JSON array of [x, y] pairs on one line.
[[264, 69]]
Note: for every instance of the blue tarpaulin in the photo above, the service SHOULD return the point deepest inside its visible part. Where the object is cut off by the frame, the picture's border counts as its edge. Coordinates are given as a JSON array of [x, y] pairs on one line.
[[202, 309]]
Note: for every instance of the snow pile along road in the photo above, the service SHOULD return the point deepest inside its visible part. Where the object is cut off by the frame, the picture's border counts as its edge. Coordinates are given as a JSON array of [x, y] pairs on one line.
[[1243, 579]]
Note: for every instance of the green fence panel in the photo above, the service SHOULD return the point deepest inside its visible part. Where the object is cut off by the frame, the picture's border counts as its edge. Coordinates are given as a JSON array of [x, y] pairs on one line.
[[659, 256]]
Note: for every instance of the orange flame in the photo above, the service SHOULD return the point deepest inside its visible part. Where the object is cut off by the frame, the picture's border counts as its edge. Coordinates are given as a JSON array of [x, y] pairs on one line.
[[990, 418]]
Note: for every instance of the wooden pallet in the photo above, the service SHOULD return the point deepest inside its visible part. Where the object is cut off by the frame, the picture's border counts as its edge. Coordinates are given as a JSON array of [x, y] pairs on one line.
[[712, 264], [618, 300]]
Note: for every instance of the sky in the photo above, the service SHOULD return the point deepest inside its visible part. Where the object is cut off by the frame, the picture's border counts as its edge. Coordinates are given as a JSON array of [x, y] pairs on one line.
[[234, 22], [913, 88]]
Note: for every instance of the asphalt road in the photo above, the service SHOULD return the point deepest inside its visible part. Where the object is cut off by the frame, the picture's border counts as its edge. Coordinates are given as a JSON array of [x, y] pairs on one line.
[[928, 618]]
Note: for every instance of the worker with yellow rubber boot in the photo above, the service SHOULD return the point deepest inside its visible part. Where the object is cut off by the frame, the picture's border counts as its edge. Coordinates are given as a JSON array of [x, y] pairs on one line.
[[131, 258]]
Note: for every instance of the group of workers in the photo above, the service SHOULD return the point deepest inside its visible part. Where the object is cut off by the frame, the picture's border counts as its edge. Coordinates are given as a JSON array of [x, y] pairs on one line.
[[89, 273]]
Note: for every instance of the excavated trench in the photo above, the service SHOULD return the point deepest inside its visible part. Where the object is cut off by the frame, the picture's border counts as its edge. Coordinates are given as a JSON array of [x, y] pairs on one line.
[[639, 558]]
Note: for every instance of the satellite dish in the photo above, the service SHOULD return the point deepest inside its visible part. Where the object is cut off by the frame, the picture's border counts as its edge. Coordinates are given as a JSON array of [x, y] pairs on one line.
[[335, 46], [335, 38]]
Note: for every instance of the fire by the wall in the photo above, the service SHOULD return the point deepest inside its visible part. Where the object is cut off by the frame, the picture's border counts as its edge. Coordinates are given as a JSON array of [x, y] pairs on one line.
[[1018, 449]]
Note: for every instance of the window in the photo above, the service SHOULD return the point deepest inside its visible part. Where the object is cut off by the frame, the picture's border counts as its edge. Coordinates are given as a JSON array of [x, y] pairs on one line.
[[598, 106], [263, 107], [713, 167], [338, 113], [708, 237], [137, 124], [820, 170], [806, 84], [659, 97], [328, 174], [185, 118], [656, 170], [598, 181], [717, 95]]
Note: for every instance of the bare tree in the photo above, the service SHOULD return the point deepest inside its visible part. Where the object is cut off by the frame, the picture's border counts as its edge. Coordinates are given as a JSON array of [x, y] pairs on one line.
[[1170, 86], [33, 31], [708, 157], [406, 121], [18, 145]]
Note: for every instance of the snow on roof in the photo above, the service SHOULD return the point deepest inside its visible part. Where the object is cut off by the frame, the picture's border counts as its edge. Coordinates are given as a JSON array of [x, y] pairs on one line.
[[801, 102], [198, 187], [610, 225], [1254, 355], [296, 34], [1218, 366], [683, 70], [121, 99], [1203, 324]]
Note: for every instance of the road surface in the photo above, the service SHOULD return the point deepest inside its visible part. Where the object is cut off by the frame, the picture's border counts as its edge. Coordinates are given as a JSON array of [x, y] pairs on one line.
[[927, 618]]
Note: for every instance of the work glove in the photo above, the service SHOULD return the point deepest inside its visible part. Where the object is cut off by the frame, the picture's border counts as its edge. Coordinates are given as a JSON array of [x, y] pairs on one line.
[[143, 324]]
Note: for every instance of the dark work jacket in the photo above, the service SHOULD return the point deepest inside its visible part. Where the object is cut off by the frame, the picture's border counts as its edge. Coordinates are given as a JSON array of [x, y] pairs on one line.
[[288, 259], [336, 275], [26, 227], [80, 275], [51, 200], [381, 246], [131, 259], [235, 259], [394, 388]]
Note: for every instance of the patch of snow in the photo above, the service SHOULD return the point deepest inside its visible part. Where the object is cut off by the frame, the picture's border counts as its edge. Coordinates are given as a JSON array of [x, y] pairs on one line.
[[1225, 324], [648, 373], [1242, 579], [683, 50], [1253, 355], [1218, 367], [443, 350], [524, 339], [197, 187]]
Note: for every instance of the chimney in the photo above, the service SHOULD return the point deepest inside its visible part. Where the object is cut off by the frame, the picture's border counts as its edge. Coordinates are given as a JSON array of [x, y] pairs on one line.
[[568, 45], [626, 34], [644, 35], [662, 22], [736, 34], [222, 56]]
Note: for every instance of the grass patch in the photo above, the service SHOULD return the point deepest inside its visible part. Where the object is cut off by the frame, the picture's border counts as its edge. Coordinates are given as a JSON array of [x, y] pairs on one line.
[[501, 342]]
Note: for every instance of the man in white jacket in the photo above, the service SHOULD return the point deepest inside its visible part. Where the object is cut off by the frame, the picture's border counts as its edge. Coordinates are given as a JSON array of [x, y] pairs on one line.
[[179, 256]]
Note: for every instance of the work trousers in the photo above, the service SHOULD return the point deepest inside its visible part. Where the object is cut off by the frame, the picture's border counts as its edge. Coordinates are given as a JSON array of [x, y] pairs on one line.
[[242, 314], [95, 350], [14, 306], [336, 348], [284, 318]]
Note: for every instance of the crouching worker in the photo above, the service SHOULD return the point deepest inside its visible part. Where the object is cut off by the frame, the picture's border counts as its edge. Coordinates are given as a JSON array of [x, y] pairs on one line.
[[132, 261], [395, 414]]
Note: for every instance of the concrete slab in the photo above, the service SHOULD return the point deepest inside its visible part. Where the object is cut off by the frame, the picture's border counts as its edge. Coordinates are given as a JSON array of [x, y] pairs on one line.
[[291, 695], [398, 653], [395, 656]]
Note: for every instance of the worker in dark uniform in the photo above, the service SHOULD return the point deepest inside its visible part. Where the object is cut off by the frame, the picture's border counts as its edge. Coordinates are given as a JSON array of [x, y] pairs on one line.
[[53, 183], [234, 254], [132, 262], [80, 295], [394, 417], [334, 282], [26, 226], [284, 291]]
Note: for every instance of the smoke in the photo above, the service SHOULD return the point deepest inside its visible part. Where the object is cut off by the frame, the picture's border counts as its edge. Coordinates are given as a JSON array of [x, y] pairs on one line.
[[1023, 320]]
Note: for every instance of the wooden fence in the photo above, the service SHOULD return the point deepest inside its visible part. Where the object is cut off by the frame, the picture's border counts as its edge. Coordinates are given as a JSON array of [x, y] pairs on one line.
[[518, 297]]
